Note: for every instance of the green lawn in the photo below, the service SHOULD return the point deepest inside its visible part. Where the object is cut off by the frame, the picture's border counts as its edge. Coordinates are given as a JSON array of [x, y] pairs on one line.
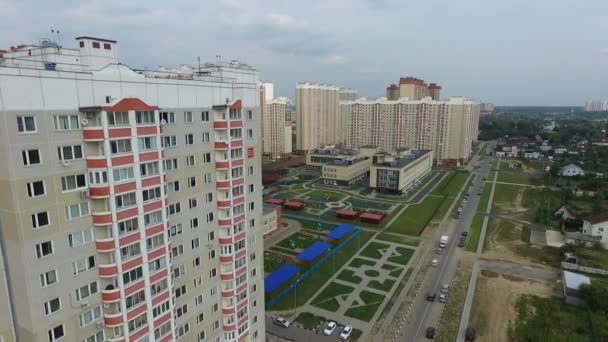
[[520, 177], [385, 286], [450, 318], [505, 196], [297, 240], [309, 321], [455, 184], [474, 232], [366, 312], [396, 272], [414, 218], [356, 263], [349, 276], [307, 288], [283, 250], [372, 250], [314, 225], [592, 257], [272, 261], [389, 267], [324, 196], [404, 240], [485, 197], [326, 299], [402, 259], [444, 183], [357, 203], [551, 320]]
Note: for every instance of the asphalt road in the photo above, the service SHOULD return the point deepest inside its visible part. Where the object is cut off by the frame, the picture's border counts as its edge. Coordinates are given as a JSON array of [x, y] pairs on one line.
[[425, 314]]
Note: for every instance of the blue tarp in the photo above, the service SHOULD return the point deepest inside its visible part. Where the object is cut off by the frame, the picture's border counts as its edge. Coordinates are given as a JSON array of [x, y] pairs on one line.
[[279, 277], [341, 231], [314, 251]]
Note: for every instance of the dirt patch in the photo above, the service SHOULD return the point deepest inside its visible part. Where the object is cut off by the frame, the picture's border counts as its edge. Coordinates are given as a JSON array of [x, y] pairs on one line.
[[489, 274], [494, 309]]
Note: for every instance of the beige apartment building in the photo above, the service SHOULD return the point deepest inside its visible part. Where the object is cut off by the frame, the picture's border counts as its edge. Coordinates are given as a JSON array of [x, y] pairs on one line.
[[277, 135], [317, 116], [448, 128], [131, 199], [348, 94], [414, 89], [401, 172]]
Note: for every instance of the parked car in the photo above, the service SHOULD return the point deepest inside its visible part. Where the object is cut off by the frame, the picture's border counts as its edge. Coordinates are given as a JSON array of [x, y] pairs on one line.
[[439, 251], [431, 332], [443, 297], [345, 334], [469, 334], [435, 262], [281, 321], [461, 243], [330, 328], [430, 297], [445, 288], [465, 233]]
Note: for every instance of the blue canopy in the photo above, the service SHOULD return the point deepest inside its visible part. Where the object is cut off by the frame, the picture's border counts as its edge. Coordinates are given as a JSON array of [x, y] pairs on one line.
[[341, 231], [314, 251], [279, 277]]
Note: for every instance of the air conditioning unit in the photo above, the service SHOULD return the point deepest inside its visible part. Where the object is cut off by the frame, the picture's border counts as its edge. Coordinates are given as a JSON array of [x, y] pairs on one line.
[[163, 122], [84, 305], [84, 121], [84, 194], [65, 162]]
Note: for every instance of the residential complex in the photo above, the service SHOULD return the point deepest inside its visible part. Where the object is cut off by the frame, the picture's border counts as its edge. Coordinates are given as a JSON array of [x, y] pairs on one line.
[[317, 116], [448, 128], [131, 205], [400, 173], [277, 135]]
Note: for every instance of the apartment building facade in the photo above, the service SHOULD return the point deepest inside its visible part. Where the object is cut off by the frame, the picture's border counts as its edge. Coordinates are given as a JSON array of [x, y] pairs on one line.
[[448, 128], [277, 135], [317, 116], [132, 207]]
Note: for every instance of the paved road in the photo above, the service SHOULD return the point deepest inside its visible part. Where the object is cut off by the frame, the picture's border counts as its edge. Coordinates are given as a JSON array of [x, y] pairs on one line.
[[527, 272], [425, 314], [277, 333]]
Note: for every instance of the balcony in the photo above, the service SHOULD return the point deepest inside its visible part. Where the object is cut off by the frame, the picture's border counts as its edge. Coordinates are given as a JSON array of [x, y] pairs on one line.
[[112, 320], [225, 204], [147, 130], [219, 125], [236, 123], [222, 165], [103, 218], [108, 270], [105, 245], [119, 132], [220, 145], [92, 134], [99, 191], [236, 143], [223, 185], [149, 156], [111, 294], [96, 162], [120, 160]]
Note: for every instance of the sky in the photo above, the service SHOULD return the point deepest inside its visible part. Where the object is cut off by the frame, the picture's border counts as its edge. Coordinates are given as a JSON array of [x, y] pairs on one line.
[[515, 52]]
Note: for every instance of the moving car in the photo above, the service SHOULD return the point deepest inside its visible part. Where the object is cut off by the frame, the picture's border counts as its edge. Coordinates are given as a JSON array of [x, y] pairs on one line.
[[465, 233], [435, 262], [469, 334], [443, 297], [345, 334], [445, 288], [431, 297], [430, 332], [330, 328], [281, 321], [461, 243]]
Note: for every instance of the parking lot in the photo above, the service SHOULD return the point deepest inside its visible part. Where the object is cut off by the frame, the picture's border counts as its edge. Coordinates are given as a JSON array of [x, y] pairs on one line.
[[277, 333]]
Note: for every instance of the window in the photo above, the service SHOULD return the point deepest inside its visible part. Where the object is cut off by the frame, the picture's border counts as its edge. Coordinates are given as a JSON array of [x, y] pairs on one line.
[[178, 272], [182, 310], [192, 182], [190, 139], [183, 330], [153, 218], [156, 265], [201, 335], [251, 206], [236, 153], [177, 251], [213, 291], [99, 336], [155, 241], [146, 143], [180, 291], [187, 117], [96, 45], [132, 275], [237, 172], [26, 124], [215, 309], [127, 226], [209, 197], [192, 203], [160, 309], [212, 254], [175, 230], [124, 173], [136, 298], [138, 322], [90, 316], [191, 160], [31, 157], [151, 194], [174, 208], [145, 118], [251, 170], [69, 152], [67, 122], [120, 146], [44, 249], [250, 188], [206, 137], [118, 119], [36, 189], [81, 238], [198, 300], [48, 278], [211, 236], [194, 223], [196, 243], [169, 117], [83, 265], [207, 157], [210, 217], [75, 211], [162, 330], [159, 287], [205, 116], [125, 200], [236, 133], [98, 177], [239, 209], [107, 46], [52, 306], [169, 141], [130, 251], [149, 169], [249, 115], [86, 291], [208, 178], [173, 186], [56, 333], [196, 262], [40, 220], [170, 164], [250, 134], [235, 114], [213, 273], [73, 182]]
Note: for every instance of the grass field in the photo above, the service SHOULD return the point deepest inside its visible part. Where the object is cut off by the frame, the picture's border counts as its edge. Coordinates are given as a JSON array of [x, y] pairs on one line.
[[402, 259], [455, 184], [385, 286], [371, 204], [372, 250], [299, 240], [349, 276], [324, 196], [475, 229], [444, 183], [356, 263], [414, 218], [314, 225], [283, 250], [366, 312], [307, 288], [398, 239], [450, 318], [272, 261], [520, 177], [592, 257], [309, 321], [550, 319], [326, 299]]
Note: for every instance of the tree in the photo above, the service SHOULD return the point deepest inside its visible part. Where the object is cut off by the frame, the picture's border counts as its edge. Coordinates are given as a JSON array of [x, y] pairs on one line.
[[596, 296]]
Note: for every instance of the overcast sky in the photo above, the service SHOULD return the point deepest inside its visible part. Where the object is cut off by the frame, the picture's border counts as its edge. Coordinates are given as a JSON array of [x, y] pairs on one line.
[[513, 52]]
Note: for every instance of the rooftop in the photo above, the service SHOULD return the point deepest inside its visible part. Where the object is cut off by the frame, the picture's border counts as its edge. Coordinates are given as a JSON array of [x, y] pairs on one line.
[[596, 218], [574, 280], [399, 163], [268, 208]]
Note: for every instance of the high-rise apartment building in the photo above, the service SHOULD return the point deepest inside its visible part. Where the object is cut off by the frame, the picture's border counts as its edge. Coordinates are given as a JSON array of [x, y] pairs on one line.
[[277, 136], [131, 199], [317, 108], [266, 95], [448, 128], [392, 92], [348, 94], [414, 89]]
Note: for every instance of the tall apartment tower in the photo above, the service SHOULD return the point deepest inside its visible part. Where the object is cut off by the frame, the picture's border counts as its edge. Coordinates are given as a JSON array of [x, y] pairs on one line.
[[348, 94], [415, 89], [392, 92], [131, 199], [434, 91], [266, 95], [317, 108], [277, 130]]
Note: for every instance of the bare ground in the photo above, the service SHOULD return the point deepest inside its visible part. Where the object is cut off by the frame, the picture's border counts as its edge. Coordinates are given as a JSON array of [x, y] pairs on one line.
[[494, 303]]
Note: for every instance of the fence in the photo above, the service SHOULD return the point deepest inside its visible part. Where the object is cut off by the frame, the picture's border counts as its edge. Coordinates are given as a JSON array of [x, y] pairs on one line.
[[316, 266], [575, 267]]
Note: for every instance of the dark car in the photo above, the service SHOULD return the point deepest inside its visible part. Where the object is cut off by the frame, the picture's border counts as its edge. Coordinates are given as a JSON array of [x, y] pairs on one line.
[[431, 297], [439, 251], [461, 243], [430, 332], [469, 334], [465, 233]]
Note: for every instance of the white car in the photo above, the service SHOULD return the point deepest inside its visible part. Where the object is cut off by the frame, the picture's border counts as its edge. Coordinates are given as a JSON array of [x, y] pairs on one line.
[[345, 334], [330, 328], [435, 262], [280, 321]]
